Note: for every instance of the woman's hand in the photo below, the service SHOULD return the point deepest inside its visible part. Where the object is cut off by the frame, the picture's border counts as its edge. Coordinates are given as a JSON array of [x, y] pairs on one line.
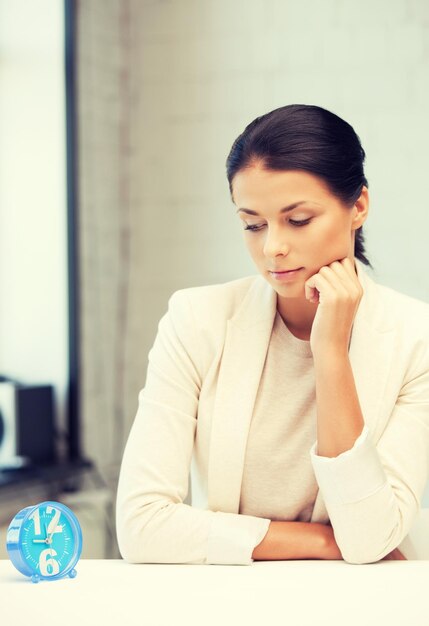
[[338, 292], [395, 555]]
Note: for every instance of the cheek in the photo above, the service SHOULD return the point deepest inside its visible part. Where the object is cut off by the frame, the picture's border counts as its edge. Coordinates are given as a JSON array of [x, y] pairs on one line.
[[330, 242], [253, 245]]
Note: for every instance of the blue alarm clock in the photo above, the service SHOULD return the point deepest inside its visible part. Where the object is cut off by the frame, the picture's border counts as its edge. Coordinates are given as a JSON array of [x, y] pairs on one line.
[[44, 541]]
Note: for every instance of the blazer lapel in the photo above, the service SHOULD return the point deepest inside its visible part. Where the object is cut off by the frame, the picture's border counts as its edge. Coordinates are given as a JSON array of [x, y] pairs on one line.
[[246, 344]]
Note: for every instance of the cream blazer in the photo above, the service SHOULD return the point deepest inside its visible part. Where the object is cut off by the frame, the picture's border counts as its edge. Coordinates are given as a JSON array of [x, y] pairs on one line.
[[194, 415]]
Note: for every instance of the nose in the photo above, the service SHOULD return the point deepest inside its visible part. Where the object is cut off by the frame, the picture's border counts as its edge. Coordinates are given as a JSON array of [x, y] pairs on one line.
[[275, 243]]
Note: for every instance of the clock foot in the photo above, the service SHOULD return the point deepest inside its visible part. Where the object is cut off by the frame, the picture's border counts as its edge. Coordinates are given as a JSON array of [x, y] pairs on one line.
[[73, 573], [35, 578]]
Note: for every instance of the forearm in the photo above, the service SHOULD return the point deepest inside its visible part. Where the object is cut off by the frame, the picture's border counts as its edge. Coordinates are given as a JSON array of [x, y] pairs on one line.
[[339, 416], [293, 540]]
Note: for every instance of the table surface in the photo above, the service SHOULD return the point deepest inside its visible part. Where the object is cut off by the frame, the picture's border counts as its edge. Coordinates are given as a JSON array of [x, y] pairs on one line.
[[300, 593]]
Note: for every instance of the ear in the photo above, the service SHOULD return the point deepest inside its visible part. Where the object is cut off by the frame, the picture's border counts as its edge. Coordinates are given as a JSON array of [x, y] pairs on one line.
[[360, 209]]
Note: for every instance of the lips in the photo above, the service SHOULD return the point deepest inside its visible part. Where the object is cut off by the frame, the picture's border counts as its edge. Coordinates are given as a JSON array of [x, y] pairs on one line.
[[284, 271], [286, 276]]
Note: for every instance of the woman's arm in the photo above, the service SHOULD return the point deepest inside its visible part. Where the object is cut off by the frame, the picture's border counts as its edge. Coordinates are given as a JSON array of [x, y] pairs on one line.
[[371, 494], [153, 523], [297, 540], [304, 540], [337, 289], [339, 415]]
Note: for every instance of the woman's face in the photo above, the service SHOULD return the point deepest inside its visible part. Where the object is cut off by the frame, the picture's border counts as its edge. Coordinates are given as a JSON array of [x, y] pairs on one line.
[[315, 232]]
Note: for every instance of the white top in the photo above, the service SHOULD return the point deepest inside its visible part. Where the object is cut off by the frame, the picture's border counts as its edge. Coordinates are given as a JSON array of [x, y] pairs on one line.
[[278, 478]]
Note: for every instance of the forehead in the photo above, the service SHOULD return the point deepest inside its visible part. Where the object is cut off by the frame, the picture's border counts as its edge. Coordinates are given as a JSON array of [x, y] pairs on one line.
[[262, 187]]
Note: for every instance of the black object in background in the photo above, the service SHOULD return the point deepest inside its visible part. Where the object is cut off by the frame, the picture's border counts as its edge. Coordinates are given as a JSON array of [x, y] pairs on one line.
[[27, 429]]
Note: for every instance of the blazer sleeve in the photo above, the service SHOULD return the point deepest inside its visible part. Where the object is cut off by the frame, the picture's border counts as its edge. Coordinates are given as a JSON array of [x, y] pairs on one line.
[[153, 524], [373, 492]]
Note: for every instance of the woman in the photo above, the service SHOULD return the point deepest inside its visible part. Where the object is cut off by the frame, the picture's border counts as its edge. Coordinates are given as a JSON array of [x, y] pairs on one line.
[[299, 397]]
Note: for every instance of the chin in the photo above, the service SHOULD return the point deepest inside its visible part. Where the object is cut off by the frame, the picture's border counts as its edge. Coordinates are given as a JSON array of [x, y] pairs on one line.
[[288, 290]]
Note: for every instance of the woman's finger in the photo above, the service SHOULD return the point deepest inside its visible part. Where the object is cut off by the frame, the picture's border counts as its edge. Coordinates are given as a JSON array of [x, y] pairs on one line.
[[316, 287]]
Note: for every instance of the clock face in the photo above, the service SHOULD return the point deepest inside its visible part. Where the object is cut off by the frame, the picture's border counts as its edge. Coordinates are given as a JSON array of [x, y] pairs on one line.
[[49, 540]]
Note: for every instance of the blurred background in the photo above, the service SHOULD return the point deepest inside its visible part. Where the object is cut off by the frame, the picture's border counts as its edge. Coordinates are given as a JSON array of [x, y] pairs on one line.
[[116, 118]]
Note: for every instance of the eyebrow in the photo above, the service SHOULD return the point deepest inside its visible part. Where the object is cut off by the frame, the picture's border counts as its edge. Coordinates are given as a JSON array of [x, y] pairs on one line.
[[283, 210]]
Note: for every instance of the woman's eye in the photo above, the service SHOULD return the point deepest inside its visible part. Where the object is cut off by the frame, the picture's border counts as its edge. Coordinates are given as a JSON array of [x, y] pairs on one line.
[[297, 223], [300, 222], [252, 227]]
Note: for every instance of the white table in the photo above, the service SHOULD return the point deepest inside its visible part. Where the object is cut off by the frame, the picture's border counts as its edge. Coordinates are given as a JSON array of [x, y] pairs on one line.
[[322, 593]]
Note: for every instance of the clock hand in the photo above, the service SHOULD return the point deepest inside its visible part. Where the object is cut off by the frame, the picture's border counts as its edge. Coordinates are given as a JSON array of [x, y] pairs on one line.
[[50, 536], [49, 540]]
